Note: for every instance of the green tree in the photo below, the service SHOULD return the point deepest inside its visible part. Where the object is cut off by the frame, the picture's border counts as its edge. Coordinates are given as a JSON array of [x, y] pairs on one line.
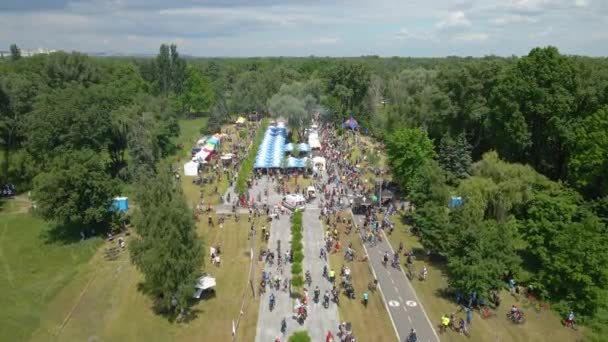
[[69, 119], [15, 52], [567, 248], [481, 254], [62, 70], [168, 251], [19, 92], [455, 156], [75, 189], [177, 71], [292, 108], [347, 83], [533, 108], [250, 93], [408, 149], [588, 161], [162, 75], [197, 96]]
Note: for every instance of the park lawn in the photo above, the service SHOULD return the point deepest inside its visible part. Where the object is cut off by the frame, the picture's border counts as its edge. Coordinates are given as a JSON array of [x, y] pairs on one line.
[[112, 308], [34, 269], [371, 323], [540, 325], [103, 301]]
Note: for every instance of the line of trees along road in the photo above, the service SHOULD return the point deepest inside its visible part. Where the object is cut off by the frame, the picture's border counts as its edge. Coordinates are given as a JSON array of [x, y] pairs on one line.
[[523, 140]]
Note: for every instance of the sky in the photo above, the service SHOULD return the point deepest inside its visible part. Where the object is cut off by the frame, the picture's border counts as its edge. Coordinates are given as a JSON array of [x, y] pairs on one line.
[[240, 28]]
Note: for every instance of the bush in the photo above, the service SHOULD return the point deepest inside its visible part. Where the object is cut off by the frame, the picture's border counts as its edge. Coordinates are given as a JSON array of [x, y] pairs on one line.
[[298, 257], [300, 336], [297, 281], [296, 235], [296, 268]]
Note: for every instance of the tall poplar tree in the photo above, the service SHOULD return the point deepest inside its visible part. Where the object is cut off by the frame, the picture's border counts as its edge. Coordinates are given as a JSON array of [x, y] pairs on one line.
[[168, 251]]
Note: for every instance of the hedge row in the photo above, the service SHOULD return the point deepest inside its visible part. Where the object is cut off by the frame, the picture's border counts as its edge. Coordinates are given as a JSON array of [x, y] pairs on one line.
[[297, 280], [300, 336], [247, 164]]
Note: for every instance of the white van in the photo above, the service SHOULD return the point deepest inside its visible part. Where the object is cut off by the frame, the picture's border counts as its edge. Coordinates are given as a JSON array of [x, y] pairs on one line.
[[294, 201]]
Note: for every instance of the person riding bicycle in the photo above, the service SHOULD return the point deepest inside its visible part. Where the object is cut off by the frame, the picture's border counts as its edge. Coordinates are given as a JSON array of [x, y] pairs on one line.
[[570, 320], [515, 313], [317, 292], [425, 272], [271, 300], [365, 298], [326, 298], [445, 322], [283, 325], [400, 247], [385, 258], [308, 277], [461, 326], [412, 336]]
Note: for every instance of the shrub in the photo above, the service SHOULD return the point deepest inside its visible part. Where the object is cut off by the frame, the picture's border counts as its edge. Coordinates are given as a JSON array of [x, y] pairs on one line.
[[300, 336], [296, 268], [298, 257], [297, 281]]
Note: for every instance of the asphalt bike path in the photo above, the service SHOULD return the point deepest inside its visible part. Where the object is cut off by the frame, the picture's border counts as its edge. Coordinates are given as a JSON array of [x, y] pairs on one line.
[[399, 296]]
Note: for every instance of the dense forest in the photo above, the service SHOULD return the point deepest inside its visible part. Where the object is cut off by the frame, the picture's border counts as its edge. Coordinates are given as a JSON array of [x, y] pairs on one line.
[[523, 140]]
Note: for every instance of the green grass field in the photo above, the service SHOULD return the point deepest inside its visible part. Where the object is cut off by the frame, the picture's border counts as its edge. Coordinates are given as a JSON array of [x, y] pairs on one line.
[[540, 325], [34, 270], [71, 292]]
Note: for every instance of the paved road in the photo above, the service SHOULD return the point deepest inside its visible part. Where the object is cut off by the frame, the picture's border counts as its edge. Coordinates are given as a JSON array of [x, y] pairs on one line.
[[269, 322], [320, 320], [403, 305]]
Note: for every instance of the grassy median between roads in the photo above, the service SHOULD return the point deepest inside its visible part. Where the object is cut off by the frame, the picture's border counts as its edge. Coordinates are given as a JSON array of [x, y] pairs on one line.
[[371, 323]]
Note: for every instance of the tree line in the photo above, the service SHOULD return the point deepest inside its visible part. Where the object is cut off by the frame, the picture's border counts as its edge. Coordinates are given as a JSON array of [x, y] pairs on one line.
[[523, 141], [79, 131], [527, 154]]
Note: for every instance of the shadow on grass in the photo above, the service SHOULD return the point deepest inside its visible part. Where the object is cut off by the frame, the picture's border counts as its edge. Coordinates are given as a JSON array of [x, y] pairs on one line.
[[187, 316], [66, 234], [61, 234]]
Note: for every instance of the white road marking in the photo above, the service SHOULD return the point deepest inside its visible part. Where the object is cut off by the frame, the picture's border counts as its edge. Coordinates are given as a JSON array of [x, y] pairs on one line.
[[409, 319]]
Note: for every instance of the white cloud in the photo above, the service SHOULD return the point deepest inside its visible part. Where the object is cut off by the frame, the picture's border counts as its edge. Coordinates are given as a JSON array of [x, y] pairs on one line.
[[405, 34], [454, 20], [513, 19], [543, 33], [324, 41], [303, 27], [472, 37]]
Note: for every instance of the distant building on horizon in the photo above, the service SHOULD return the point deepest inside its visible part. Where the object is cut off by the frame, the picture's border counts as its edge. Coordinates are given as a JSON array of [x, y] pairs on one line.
[[27, 52], [38, 51]]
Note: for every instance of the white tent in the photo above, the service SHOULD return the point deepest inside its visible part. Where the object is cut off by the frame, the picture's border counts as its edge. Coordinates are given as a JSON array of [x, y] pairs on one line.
[[318, 163], [191, 168], [313, 141], [203, 283]]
